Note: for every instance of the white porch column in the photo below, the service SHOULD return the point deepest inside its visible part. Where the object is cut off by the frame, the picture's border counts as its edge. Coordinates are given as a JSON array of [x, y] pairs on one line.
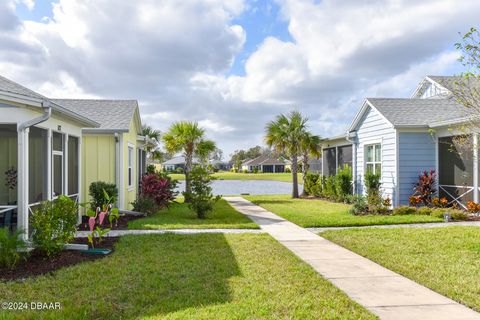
[[80, 177], [121, 173], [475, 167], [65, 164], [22, 184], [49, 165]]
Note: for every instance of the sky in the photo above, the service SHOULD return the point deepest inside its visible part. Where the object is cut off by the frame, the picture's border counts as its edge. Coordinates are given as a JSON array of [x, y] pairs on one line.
[[233, 65]]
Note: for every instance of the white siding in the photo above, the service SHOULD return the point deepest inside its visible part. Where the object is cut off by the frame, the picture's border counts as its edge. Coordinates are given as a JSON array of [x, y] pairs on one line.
[[375, 129], [416, 154]]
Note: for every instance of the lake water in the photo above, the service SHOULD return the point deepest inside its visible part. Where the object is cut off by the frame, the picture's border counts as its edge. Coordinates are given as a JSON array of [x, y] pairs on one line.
[[235, 187]]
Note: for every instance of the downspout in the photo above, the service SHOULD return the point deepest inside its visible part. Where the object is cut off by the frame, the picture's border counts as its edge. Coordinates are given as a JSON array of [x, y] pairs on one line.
[[22, 193], [354, 159]]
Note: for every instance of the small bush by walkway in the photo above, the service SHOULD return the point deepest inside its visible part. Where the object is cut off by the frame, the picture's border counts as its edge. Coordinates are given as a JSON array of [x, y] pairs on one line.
[[321, 213], [447, 260], [204, 276], [180, 216]]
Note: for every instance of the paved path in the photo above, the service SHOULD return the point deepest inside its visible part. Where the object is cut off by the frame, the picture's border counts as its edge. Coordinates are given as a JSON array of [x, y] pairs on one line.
[[410, 225], [118, 233], [382, 291]]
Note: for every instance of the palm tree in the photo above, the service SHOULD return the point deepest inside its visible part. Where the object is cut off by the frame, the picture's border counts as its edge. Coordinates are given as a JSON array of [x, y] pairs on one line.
[[148, 131], [187, 137], [284, 134], [310, 146]]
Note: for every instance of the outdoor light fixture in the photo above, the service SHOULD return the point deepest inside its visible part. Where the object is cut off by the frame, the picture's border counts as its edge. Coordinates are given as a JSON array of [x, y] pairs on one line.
[[59, 128]]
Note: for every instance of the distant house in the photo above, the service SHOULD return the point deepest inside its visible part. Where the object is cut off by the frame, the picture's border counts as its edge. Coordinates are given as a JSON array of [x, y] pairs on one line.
[[179, 162], [265, 163], [400, 138], [174, 163]]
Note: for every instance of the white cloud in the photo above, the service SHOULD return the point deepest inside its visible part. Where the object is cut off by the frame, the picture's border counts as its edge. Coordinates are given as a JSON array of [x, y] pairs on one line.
[[175, 57]]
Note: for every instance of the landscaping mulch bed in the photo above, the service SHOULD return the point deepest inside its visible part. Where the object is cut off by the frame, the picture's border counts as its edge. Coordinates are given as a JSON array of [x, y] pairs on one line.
[[37, 264], [122, 223]]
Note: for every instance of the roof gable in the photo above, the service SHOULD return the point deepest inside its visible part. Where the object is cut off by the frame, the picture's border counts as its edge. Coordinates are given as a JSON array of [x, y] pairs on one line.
[[116, 115]]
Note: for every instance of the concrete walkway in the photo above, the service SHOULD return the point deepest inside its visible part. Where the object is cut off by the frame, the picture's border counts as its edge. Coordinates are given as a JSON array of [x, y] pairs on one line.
[[119, 233], [382, 291], [409, 225]]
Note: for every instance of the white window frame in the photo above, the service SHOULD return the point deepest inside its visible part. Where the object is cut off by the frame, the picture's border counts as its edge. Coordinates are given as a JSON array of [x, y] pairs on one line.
[[130, 164], [62, 162], [375, 161]]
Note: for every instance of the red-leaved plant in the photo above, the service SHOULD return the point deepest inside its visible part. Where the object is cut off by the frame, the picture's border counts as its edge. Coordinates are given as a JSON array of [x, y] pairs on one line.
[[159, 188], [426, 187]]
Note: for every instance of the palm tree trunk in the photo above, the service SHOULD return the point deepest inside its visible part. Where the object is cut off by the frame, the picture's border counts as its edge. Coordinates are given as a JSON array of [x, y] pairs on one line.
[[294, 176], [188, 169], [304, 172]]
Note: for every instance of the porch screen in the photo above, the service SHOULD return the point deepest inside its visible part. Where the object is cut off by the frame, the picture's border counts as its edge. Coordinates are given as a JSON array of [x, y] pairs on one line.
[[73, 165], [37, 165], [455, 168], [8, 164], [345, 156], [329, 162]]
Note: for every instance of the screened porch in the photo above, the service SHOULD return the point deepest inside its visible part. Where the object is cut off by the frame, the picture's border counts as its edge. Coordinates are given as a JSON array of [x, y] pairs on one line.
[[458, 169], [52, 168]]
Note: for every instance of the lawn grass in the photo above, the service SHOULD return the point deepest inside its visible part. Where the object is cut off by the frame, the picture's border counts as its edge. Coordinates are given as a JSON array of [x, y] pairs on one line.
[[203, 276], [447, 260], [226, 175], [180, 216], [320, 213]]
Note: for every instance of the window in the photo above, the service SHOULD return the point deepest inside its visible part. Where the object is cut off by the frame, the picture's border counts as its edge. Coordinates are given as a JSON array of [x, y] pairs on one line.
[[8, 164], [329, 162], [73, 165], [130, 166], [37, 164], [373, 158], [57, 164]]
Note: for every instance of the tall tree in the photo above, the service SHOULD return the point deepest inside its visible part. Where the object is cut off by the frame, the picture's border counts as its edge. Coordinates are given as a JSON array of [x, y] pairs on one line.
[[153, 134], [310, 146], [284, 135], [187, 137]]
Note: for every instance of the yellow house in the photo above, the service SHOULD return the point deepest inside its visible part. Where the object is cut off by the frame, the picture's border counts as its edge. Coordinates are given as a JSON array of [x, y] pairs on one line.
[[113, 152]]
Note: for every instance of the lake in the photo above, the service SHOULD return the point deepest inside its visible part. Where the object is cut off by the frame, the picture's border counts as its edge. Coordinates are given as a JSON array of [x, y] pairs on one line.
[[235, 187]]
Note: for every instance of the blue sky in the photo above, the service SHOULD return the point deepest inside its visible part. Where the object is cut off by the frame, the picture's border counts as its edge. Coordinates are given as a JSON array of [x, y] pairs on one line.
[[320, 57]]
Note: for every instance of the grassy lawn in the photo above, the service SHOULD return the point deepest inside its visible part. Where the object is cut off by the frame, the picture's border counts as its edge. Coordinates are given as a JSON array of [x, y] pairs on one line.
[[203, 276], [180, 216], [447, 260], [320, 213], [226, 175]]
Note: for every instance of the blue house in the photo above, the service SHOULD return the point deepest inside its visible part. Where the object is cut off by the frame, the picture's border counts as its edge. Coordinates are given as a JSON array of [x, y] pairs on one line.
[[401, 137]]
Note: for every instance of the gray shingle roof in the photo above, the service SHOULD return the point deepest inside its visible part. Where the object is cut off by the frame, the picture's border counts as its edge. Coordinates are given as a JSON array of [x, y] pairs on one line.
[[110, 114], [419, 112], [13, 87]]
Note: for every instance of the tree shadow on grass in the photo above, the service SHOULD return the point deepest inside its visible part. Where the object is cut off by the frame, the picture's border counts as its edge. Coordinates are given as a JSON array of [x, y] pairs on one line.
[[147, 275]]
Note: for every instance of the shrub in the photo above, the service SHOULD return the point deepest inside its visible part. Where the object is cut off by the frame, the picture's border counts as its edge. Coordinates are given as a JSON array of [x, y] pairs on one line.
[[426, 211], [201, 197], [425, 188], [458, 215], [439, 202], [54, 224], [372, 184], [150, 168], [329, 190], [145, 205], [245, 171], [96, 193], [311, 180], [359, 205], [179, 170], [288, 170], [255, 170], [438, 212], [158, 187], [10, 244], [404, 210], [473, 207], [343, 182]]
